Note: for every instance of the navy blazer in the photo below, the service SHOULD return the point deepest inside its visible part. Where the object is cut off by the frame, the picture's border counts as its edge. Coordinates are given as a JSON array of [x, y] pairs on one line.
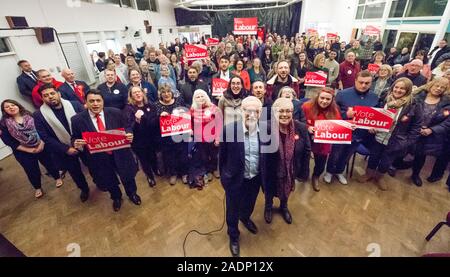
[[100, 65], [48, 135], [116, 96], [68, 93], [97, 163], [26, 83], [232, 155]]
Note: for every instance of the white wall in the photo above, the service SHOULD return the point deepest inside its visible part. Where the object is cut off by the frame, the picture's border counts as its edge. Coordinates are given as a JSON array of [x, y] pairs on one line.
[[76, 24], [328, 16]]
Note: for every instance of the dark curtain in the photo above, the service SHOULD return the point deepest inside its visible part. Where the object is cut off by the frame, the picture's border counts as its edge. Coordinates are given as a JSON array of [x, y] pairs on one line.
[[284, 21]]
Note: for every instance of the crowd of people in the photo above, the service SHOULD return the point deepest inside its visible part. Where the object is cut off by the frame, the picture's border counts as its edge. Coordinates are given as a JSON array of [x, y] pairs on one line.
[[258, 133]]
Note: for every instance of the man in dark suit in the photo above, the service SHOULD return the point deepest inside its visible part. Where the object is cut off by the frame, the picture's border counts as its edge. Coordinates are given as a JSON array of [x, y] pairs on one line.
[[100, 63], [28, 79], [71, 89], [438, 51], [105, 166], [53, 124], [239, 165]]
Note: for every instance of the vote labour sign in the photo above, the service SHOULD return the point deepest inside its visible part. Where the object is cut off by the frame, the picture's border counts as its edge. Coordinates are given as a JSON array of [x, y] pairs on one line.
[[212, 41], [246, 26], [219, 86], [333, 131], [373, 118], [195, 52], [373, 68], [175, 124], [316, 78], [105, 141]]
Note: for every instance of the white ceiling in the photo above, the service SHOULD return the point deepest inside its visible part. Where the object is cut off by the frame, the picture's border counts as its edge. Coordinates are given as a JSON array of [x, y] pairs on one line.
[[191, 3]]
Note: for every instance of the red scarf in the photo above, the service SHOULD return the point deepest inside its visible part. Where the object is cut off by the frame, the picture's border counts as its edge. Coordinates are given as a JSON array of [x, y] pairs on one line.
[[285, 171]]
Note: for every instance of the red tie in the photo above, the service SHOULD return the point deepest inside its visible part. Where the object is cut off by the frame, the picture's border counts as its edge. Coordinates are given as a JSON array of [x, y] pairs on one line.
[[101, 127], [78, 93]]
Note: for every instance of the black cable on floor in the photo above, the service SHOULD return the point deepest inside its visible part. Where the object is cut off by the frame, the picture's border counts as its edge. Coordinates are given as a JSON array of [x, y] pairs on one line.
[[208, 233]]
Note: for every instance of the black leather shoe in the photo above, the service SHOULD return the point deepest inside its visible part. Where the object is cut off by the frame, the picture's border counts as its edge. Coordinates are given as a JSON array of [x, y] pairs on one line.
[[151, 182], [416, 180], [391, 171], [136, 199], [286, 215], [84, 195], [433, 179], [268, 215], [250, 225], [117, 203], [234, 248]]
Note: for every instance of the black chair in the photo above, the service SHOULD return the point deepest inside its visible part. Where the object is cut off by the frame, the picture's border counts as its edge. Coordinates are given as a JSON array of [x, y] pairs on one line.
[[362, 150], [437, 227]]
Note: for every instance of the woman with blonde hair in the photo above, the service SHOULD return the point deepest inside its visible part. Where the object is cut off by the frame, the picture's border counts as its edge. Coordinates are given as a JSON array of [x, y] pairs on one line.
[[434, 104], [404, 132], [288, 92], [142, 119], [318, 66], [207, 125]]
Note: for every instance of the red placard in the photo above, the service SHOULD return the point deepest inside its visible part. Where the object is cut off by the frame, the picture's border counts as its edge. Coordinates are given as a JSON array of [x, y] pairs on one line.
[[333, 131], [373, 118], [331, 36], [105, 141], [246, 26], [312, 32], [373, 68], [175, 124], [219, 86], [371, 31], [316, 78], [195, 51], [212, 41]]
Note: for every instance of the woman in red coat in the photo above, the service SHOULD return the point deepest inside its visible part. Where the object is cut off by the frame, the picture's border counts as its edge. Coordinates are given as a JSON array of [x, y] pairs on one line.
[[239, 71], [322, 107]]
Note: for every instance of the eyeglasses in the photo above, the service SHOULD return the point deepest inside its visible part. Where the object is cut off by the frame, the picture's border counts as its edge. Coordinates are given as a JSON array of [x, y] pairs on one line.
[[251, 111]]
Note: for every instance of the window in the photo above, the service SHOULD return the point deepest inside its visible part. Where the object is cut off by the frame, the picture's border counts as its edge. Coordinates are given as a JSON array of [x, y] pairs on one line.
[[425, 8], [118, 3], [423, 42], [407, 40], [154, 5], [374, 11], [4, 47], [417, 8], [389, 37], [397, 8], [143, 5], [368, 9]]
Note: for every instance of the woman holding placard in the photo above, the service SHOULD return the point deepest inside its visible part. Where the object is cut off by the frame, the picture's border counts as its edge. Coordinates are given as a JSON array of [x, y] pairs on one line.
[[173, 148], [404, 132], [322, 107], [318, 66]]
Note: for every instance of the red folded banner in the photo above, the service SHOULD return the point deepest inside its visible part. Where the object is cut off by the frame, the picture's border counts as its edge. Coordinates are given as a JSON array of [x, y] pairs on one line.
[[212, 41], [219, 86], [175, 124], [195, 51], [105, 141], [371, 30], [373, 68], [316, 78], [333, 131], [331, 36], [246, 26], [373, 118]]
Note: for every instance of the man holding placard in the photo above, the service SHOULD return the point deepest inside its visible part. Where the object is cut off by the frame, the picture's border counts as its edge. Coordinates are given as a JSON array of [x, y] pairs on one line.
[[105, 166], [359, 95]]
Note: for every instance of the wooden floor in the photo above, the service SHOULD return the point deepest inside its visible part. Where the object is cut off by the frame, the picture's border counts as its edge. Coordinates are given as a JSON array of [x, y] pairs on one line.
[[337, 221]]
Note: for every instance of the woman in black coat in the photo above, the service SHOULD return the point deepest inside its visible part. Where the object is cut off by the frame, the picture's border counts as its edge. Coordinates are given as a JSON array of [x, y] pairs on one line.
[[435, 109], [290, 161], [405, 131], [18, 131], [141, 117]]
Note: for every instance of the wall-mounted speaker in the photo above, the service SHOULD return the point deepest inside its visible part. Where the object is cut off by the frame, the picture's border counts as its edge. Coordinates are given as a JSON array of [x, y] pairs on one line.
[[44, 35], [148, 29], [146, 23], [17, 21]]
